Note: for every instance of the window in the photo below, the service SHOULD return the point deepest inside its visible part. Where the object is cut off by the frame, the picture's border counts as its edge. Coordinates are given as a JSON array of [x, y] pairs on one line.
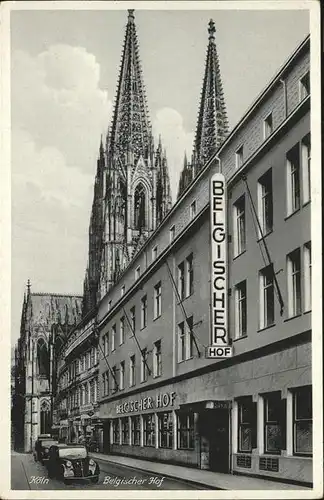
[[114, 379], [165, 430], [239, 226], [181, 281], [95, 355], [182, 342], [193, 209], [113, 338], [307, 276], [133, 320], [304, 86], [157, 300], [294, 283], [239, 157], [268, 126], [185, 431], [132, 365], [95, 390], [266, 297], [149, 429], [265, 202], [106, 344], [136, 430], [190, 338], [172, 233], [143, 312], [144, 370], [89, 359], [274, 422], [122, 331], [109, 305], [116, 431], [189, 277], [293, 180], [306, 167], [86, 393], [105, 383], [122, 375], [303, 421], [154, 253], [125, 430], [240, 309], [137, 272], [247, 425], [157, 359], [122, 291]]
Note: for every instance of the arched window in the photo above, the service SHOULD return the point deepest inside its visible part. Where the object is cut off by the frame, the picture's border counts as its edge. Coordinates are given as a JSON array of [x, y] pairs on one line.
[[45, 417], [139, 208], [42, 358]]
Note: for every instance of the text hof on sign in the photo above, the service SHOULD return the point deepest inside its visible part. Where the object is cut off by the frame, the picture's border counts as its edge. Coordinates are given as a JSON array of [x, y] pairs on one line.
[[219, 347]]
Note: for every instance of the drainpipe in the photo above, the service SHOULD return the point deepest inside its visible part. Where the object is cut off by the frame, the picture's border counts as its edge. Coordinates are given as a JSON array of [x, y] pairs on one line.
[[285, 95]]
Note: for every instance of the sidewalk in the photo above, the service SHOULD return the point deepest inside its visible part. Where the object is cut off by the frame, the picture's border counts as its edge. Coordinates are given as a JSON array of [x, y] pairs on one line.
[[214, 480]]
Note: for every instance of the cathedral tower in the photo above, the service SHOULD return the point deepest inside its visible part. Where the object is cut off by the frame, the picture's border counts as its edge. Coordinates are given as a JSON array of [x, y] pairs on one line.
[[212, 126], [133, 194]]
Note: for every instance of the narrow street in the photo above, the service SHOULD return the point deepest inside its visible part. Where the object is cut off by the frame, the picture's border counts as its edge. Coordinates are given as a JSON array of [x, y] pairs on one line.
[[26, 474]]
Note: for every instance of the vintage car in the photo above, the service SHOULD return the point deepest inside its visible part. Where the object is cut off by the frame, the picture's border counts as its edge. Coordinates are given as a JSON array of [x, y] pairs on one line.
[[42, 446], [71, 461]]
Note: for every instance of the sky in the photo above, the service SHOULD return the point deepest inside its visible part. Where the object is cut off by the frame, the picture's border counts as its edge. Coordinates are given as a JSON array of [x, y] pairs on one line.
[[64, 70]]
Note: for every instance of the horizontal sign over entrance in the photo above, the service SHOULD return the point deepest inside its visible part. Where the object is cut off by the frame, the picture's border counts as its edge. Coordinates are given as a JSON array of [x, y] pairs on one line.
[[162, 400]]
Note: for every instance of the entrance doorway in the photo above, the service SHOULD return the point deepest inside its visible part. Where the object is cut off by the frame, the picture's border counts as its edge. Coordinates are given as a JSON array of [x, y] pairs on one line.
[[214, 431]]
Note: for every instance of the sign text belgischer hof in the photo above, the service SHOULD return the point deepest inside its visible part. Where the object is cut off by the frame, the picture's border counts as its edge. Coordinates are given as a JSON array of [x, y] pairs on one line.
[[219, 343]]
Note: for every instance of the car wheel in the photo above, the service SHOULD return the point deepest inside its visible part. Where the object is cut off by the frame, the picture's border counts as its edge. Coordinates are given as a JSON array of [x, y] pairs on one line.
[[95, 479]]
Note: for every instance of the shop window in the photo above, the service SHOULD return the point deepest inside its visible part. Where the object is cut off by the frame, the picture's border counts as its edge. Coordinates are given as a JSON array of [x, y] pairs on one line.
[[239, 226], [132, 365], [157, 300], [240, 309], [136, 430], [266, 302], [247, 425], [189, 275], [303, 421], [165, 430], [293, 180], [115, 424], [157, 359], [294, 283], [274, 423], [308, 276], [185, 431], [125, 430], [149, 429], [144, 311], [306, 167], [265, 203]]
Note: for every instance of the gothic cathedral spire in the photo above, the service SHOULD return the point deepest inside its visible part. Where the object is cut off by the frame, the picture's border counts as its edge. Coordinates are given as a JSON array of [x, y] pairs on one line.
[[133, 194], [212, 126]]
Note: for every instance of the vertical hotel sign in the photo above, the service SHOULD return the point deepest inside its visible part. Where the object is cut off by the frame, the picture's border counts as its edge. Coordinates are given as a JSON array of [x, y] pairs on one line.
[[219, 343]]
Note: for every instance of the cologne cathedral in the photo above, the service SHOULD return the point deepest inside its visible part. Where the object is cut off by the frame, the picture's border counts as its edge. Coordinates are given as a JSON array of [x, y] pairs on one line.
[[131, 197]]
